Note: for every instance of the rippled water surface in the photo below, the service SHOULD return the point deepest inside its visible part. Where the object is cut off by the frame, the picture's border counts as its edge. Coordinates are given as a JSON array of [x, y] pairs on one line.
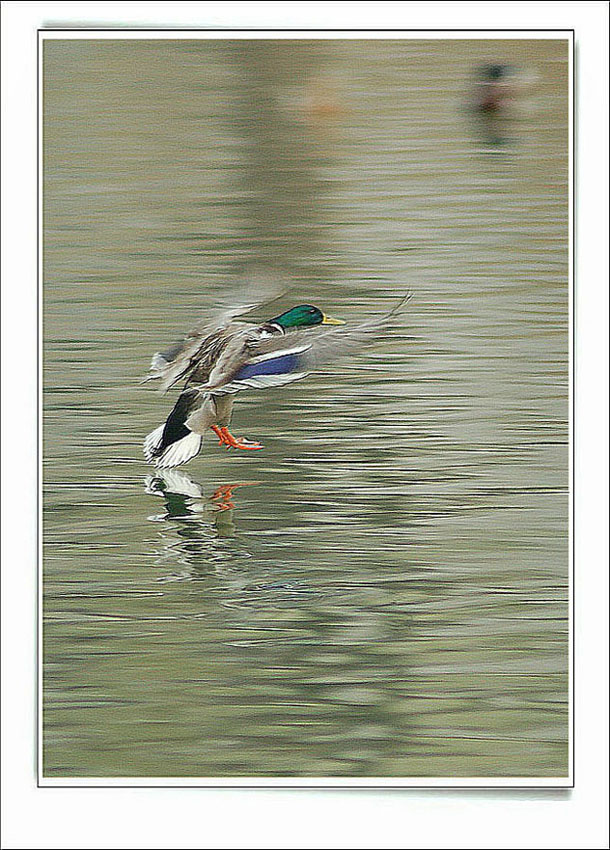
[[382, 591]]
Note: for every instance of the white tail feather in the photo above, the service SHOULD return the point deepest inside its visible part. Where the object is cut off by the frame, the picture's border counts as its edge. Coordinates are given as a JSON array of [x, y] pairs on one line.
[[178, 453], [152, 442]]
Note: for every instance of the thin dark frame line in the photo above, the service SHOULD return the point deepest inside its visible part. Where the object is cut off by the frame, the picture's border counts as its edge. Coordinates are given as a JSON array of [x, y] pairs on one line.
[[39, 536], [304, 29], [294, 29], [572, 377], [572, 424]]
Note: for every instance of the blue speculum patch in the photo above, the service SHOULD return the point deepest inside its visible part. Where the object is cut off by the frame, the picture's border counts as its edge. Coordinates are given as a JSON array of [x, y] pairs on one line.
[[282, 365]]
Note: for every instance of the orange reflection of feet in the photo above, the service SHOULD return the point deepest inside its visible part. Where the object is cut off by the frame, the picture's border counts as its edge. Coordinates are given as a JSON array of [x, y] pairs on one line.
[[223, 495]]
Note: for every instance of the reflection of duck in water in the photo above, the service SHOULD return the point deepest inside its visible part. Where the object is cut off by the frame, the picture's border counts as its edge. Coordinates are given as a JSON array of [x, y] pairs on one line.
[[202, 525], [222, 357], [199, 542], [185, 499]]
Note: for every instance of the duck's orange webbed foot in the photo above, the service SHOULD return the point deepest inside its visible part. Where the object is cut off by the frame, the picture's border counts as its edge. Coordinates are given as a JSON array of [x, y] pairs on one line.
[[227, 439], [239, 442]]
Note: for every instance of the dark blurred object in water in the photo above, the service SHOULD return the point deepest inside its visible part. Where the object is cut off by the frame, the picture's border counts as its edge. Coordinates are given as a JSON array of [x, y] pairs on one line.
[[502, 88], [501, 96], [495, 87]]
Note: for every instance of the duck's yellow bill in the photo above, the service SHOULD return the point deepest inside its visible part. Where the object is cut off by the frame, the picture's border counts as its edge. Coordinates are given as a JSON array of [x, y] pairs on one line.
[[328, 321]]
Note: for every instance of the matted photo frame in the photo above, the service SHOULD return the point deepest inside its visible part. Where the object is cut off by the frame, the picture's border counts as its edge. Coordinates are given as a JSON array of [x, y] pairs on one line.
[[357, 248]]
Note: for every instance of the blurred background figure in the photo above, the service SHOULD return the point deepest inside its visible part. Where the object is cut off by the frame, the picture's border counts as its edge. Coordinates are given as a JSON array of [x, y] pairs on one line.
[[322, 99], [496, 89], [319, 100], [503, 88], [502, 93]]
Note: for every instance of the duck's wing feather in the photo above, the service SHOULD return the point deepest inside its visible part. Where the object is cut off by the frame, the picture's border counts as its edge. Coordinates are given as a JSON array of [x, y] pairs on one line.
[[179, 360], [281, 360]]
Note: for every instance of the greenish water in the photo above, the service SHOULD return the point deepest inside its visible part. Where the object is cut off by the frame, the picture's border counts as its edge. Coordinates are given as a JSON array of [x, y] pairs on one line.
[[389, 594]]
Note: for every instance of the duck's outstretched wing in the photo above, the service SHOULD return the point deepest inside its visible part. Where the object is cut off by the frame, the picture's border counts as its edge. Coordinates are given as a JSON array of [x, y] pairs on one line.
[[179, 359], [281, 360]]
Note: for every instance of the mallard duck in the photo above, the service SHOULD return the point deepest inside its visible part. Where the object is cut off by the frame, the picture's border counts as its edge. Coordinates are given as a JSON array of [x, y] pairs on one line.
[[504, 89], [222, 357]]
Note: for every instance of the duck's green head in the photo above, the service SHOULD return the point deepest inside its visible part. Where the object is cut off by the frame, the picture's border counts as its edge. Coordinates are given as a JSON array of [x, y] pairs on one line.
[[304, 316]]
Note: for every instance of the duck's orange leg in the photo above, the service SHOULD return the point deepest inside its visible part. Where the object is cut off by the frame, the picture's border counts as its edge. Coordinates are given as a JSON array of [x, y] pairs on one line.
[[227, 439], [239, 442], [218, 433]]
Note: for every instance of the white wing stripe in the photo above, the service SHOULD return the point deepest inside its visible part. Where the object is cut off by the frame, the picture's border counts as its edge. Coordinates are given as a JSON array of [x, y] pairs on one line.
[[260, 382], [281, 352]]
